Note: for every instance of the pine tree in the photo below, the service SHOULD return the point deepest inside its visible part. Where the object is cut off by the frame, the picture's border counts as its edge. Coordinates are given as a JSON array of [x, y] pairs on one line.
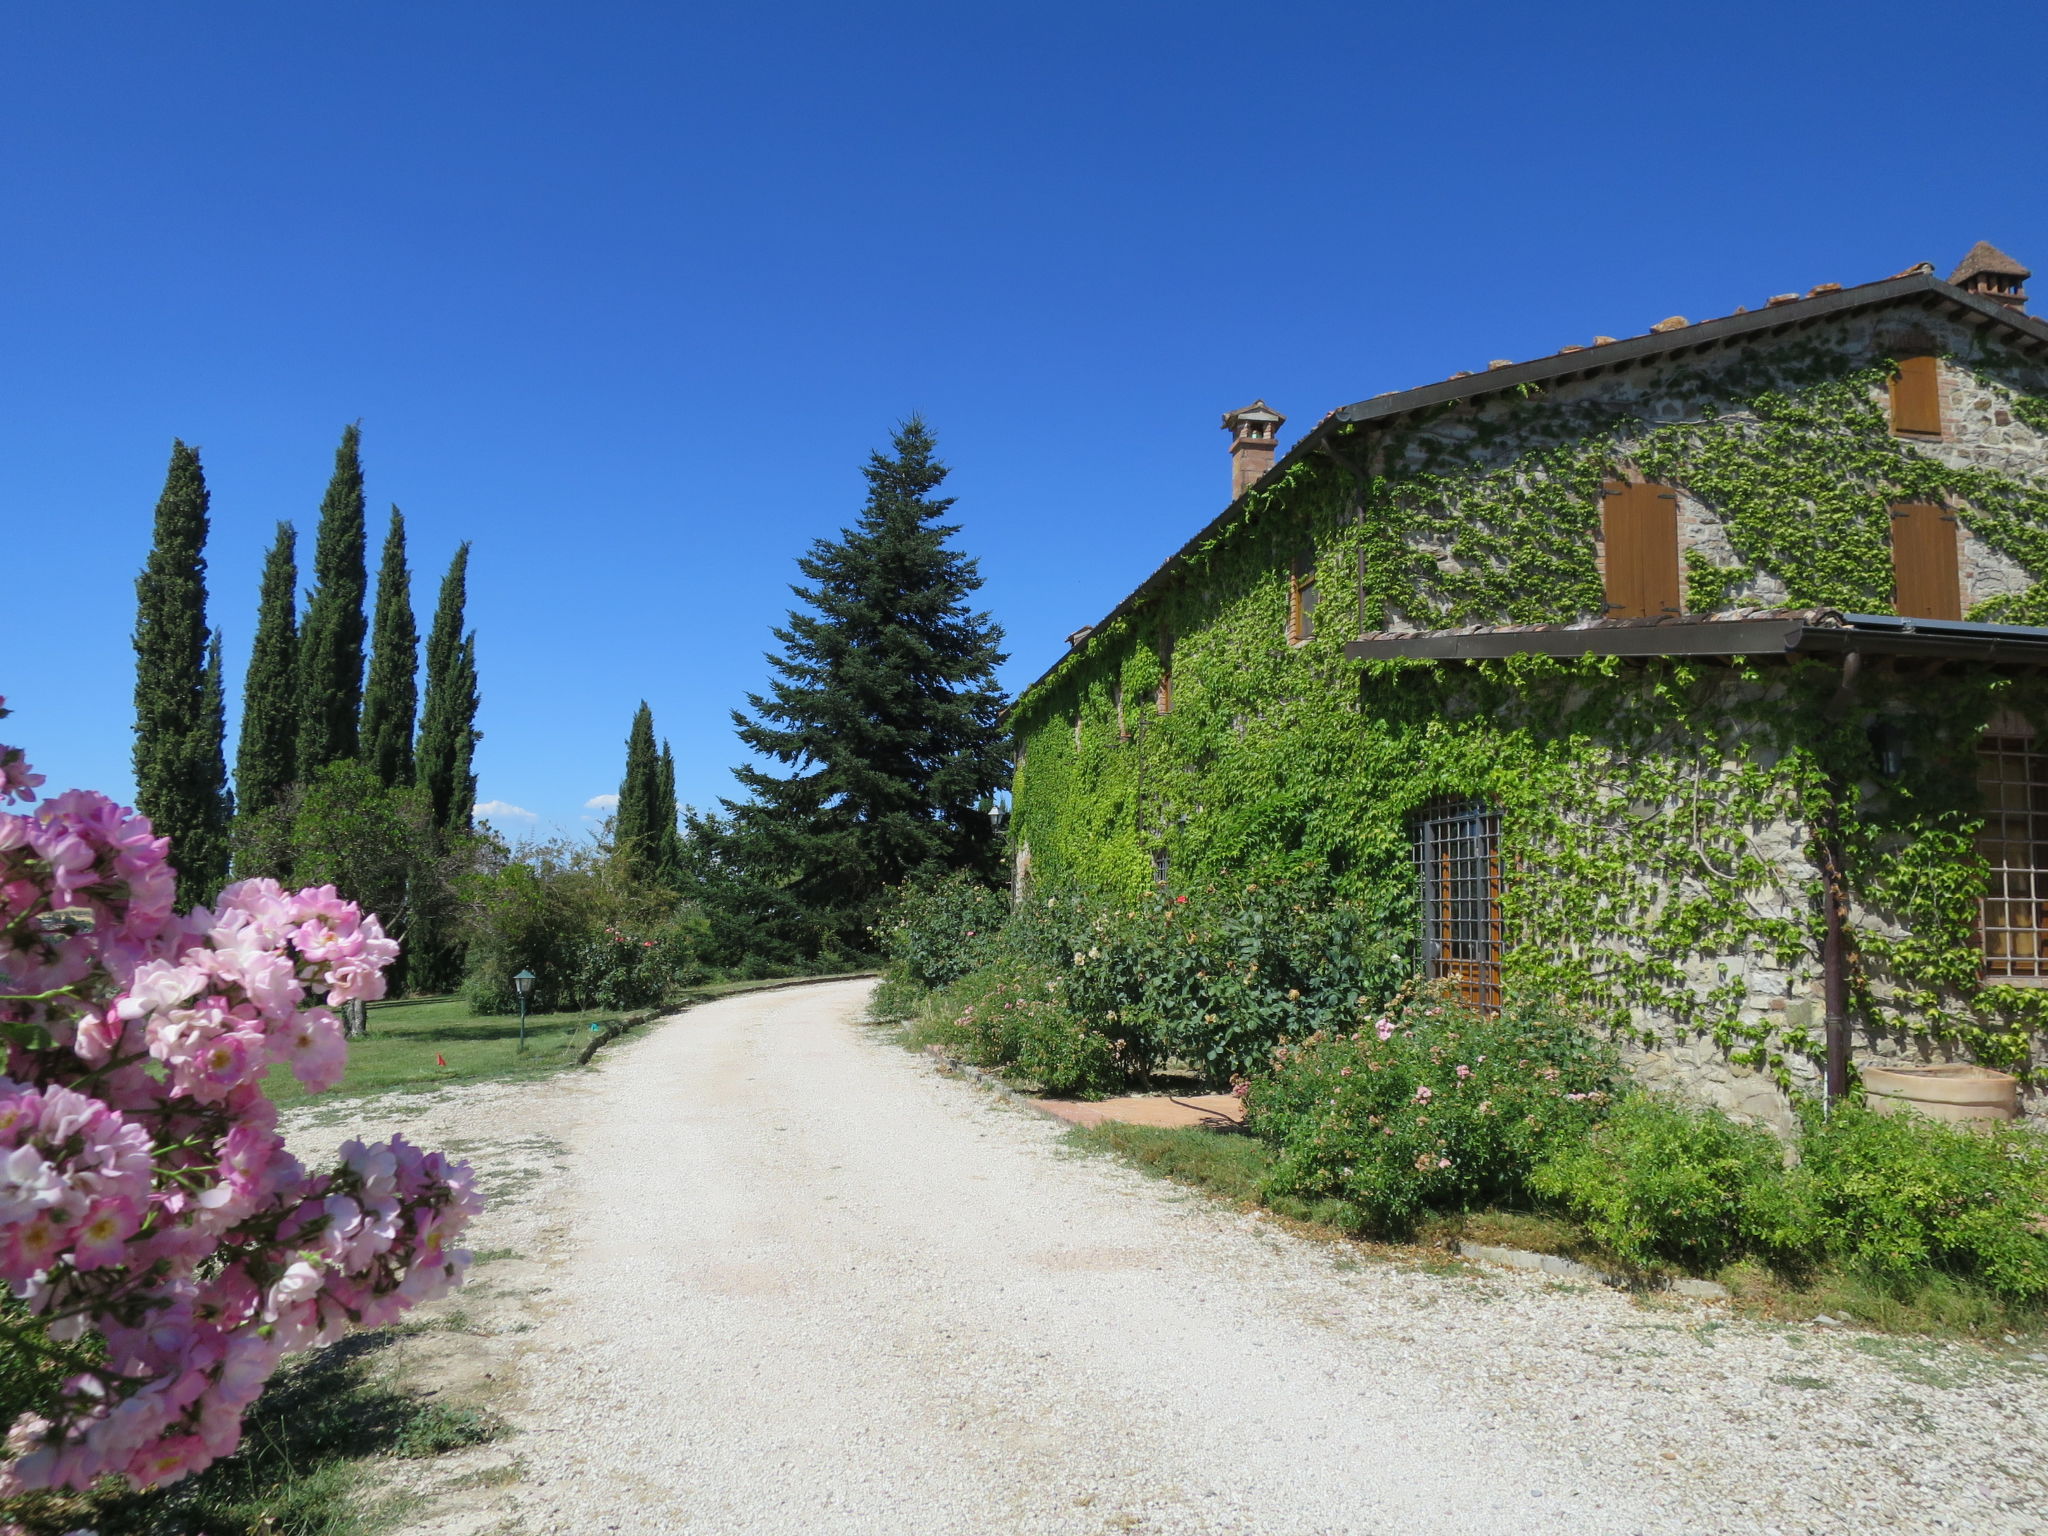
[[331, 639], [266, 757], [886, 711], [636, 825], [180, 783], [391, 696], [448, 734]]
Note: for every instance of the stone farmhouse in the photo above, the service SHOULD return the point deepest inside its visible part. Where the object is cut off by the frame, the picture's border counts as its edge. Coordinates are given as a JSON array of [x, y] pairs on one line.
[[1697, 678]]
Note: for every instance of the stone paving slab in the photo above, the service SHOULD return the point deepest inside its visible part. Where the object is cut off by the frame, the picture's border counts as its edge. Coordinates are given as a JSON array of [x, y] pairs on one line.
[[1173, 1110]]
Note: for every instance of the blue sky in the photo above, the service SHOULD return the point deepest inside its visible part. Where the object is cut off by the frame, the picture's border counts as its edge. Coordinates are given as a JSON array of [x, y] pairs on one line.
[[624, 293]]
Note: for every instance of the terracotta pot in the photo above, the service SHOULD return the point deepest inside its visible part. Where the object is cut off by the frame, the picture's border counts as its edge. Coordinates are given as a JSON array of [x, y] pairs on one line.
[[1943, 1092]]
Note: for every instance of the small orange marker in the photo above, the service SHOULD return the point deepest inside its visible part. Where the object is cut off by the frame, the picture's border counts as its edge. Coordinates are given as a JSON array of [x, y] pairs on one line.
[[440, 1060]]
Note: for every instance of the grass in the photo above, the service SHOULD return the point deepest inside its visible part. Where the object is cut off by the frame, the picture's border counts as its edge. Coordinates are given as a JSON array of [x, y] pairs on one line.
[[1233, 1165], [302, 1469], [410, 1039]]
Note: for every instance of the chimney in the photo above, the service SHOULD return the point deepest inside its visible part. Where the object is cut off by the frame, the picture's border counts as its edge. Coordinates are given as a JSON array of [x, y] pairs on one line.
[[1253, 436], [1989, 271]]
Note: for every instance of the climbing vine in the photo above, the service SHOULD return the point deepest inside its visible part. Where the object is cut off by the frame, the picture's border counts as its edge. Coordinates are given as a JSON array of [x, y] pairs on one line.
[[1660, 820]]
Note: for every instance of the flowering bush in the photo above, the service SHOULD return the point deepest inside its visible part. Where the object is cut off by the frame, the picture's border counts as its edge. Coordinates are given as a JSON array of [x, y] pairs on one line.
[[164, 1249], [1011, 1014], [1430, 1106], [936, 933]]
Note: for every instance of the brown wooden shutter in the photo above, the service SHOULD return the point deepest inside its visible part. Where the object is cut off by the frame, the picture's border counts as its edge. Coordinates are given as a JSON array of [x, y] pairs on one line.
[[1927, 583], [1916, 397], [1640, 526]]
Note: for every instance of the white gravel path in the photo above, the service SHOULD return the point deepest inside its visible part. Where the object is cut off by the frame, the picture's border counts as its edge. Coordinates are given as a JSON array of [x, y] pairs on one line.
[[788, 1279]]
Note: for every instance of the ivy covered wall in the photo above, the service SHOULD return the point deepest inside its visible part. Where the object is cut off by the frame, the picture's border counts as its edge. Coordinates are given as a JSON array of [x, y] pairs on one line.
[[1658, 820]]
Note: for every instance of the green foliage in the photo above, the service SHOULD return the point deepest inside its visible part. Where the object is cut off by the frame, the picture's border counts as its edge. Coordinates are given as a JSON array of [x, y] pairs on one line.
[[448, 733], [330, 651], [1010, 1014], [1662, 1182], [391, 697], [938, 931], [266, 758], [644, 827], [1432, 1107], [1899, 1197], [1645, 806], [180, 777], [884, 713], [576, 916]]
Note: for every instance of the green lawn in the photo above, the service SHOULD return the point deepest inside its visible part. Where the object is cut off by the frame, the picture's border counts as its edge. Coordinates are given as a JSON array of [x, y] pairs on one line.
[[409, 1040]]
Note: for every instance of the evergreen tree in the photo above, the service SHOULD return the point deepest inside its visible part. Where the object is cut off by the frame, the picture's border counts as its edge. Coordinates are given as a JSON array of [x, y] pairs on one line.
[[448, 734], [331, 639], [391, 696], [180, 781], [268, 751], [636, 825], [668, 836], [886, 711]]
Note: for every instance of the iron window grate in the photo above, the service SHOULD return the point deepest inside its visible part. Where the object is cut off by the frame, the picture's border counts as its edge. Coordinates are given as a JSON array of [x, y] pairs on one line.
[[1457, 861], [2012, 919]]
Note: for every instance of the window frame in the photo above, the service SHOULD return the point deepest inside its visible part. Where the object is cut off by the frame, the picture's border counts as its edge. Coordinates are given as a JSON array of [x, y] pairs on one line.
[[2011, 744], [1456, 842]]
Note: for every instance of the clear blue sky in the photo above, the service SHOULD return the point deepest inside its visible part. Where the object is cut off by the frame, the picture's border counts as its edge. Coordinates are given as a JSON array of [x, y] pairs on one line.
[[625, 293]]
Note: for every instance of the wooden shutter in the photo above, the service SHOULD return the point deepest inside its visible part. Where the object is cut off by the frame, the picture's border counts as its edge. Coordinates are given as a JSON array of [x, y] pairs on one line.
[[1924, 574], [1640, 526], [1916, 397]]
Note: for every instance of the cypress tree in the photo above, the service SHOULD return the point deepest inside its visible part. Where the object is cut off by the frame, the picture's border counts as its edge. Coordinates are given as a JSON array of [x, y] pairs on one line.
[[636, 826], [331, 639], [668, 837], [391, 697], [448, 734], [885, 710], [266, 757], [180, 782]]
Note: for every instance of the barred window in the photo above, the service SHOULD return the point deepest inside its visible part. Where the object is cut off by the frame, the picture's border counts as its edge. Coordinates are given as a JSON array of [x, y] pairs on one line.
[[2012, 773], [1457, 861]]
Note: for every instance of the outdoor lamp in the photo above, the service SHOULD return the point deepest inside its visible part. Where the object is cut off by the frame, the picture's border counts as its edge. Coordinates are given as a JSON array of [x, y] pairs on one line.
[[523, 985], [1888, 746]]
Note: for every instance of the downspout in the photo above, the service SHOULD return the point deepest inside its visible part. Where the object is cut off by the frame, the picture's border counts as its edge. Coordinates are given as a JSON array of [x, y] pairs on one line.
[[1833, 949]]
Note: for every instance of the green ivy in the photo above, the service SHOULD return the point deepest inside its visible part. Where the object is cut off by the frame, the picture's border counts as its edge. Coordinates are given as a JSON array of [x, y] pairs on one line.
[[1639, 800]]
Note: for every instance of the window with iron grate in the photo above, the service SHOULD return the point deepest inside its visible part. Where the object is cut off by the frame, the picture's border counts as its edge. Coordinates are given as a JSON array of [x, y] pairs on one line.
[[1302, 598], [2012, 921], [1457, 864]]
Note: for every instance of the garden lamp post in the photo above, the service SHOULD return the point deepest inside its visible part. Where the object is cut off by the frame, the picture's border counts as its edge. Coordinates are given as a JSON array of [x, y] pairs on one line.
[[523, 985]]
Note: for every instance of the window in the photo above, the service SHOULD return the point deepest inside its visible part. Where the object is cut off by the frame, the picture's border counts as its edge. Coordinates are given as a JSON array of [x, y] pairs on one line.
[[2012, 922], [1162, 867], [1916, 397], [1639, 527], [1301, 598], [1927, 584], [1457, 860]]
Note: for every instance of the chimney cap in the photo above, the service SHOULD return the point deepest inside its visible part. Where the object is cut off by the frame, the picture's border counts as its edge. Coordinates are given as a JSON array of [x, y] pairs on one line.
[[1258, 410], [1989, 260]]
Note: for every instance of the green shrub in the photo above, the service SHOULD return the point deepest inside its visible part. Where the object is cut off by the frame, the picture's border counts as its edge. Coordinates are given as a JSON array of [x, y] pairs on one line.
[[1011, 1014], [1662, 1182], [1898, 1196], [1432, 1108], [937, 932]]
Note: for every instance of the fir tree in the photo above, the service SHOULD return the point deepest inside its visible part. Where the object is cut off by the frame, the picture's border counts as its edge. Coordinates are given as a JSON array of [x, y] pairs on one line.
[[636, 825], [448, 734], [886, 711], [331, 639], [267, 755], [180, 781], [391, 697]]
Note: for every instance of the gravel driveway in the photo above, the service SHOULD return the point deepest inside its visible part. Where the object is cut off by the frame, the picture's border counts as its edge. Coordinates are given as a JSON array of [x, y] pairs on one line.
[[775, 1274]]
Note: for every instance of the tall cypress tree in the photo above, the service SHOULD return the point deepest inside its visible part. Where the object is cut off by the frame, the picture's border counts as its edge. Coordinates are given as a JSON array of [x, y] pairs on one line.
[[885, 711], [180, 782], [448, 733], [391, 697], [266, 758], [636, 826], [668, 837], [331, 639]]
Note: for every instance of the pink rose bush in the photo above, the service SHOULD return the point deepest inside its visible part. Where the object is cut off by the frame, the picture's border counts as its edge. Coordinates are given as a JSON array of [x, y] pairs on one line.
[[147, 1202]]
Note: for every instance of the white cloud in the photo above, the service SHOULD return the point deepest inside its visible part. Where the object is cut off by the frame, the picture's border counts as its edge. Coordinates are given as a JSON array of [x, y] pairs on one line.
[[601, 803], [500, 810]]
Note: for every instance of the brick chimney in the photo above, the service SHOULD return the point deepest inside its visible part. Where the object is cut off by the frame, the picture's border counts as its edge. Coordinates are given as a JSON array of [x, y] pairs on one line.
[[1253, 437], [1989, 271]]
